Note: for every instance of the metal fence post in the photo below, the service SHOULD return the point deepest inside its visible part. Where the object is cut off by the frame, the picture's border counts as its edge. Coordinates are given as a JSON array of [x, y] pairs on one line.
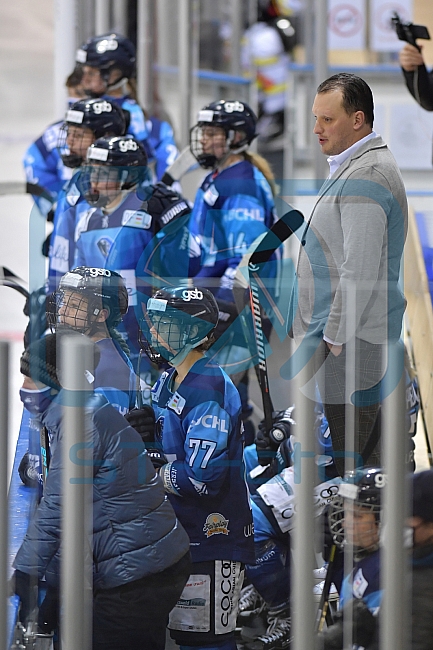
[[320, 74], [102, 16], [65, 43], [185, 70], [145, 29], [76, 569], [394, 608], [4, 479], [304, 529]]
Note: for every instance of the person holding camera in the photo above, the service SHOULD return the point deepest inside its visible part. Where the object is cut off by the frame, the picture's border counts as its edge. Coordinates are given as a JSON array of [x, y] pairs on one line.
[[419, 80]]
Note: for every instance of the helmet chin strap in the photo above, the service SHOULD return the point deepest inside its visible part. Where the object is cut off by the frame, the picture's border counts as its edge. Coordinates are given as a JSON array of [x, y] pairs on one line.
[[230, 151], [182, 355], [122, 83]]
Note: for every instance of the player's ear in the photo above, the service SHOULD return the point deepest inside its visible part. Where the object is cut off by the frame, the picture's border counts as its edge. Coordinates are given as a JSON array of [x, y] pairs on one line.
[[103, 315]]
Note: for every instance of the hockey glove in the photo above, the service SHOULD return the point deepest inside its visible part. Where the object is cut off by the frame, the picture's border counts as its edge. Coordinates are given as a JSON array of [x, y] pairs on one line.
[[166, 206], [364, 628], [157, 457], [143, 421], [35, 308], [29, 475], [269, 441], [25, 586]]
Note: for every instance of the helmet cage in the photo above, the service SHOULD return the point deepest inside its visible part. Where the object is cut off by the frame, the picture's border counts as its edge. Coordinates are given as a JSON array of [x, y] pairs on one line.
[[69, 158], [100, 116], [101, 184], [231, 116], [79, 307], [164, 335], [361, 488], [82, 294]]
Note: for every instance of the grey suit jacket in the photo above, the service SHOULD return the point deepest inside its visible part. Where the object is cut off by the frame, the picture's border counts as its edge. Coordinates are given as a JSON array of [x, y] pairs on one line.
[[349, 261]]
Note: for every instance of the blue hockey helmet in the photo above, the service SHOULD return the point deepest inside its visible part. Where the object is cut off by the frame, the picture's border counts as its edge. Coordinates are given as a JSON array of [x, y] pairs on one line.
[[113, 164], [102, 117], [177, 320], [233, 116], [83, 293], [108, 52], [362, 488]]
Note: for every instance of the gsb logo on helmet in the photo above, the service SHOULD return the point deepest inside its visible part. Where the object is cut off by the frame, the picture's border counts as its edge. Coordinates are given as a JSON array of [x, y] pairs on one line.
[[95, 272], [192, 294], [127, 145], [107, 45], [102, 107], [230, 107]]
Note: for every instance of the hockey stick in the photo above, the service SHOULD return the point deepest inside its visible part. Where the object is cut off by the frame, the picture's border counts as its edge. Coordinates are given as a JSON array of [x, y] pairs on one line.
[[323, 612], [277, 235], [181, 165], [9, 279]]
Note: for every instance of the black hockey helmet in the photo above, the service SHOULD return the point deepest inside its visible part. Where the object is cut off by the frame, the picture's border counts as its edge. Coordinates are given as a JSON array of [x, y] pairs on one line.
[[113, 164], [83, 293], [102, 117], [230, 115], [362, 487], [109, 52], [177, 320]]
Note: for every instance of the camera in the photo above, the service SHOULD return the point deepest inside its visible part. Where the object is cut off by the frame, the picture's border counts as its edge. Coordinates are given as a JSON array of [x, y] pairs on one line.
[[408, 31]]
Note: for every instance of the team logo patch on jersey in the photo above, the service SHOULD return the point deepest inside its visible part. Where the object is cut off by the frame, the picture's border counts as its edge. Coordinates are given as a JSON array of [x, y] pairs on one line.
[[211, 195], [73, 195], [360, 584], [216, 524], [104, 246], [176, 403], [137, 219]]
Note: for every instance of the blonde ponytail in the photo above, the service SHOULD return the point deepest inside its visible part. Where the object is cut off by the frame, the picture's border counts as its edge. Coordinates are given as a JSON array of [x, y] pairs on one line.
[[262, 165]]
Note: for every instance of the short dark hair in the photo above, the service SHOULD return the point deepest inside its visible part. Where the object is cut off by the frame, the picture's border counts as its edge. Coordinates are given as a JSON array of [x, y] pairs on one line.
[[357, 95]]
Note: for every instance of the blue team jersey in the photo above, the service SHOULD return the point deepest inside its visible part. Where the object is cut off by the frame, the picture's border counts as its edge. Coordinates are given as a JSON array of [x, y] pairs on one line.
[[231, 210], [124, 241], [199, 428], [43, 166], [163, 145], [62, 247], [366, 583], [156, 135]]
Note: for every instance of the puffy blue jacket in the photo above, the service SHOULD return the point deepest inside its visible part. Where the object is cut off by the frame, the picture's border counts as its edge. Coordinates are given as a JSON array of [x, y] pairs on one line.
[[135, 530]]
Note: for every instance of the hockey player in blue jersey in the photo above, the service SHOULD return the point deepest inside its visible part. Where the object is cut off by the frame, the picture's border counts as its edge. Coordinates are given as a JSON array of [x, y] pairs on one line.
[[86, 121], [44, 169], [233, 206], [140, 231], [198, 426], [108, 64], [355, 519]]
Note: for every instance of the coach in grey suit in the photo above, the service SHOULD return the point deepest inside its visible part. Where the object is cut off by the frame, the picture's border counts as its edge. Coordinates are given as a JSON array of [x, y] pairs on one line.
[[347, 301]]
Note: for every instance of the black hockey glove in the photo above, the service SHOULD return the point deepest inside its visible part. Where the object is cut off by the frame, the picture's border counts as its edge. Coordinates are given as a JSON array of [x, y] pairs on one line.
[[157, 457], [143, 421], [364, 628], [268, 442], [35, 308], [28, 473], [25, 586], [166, 206]]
